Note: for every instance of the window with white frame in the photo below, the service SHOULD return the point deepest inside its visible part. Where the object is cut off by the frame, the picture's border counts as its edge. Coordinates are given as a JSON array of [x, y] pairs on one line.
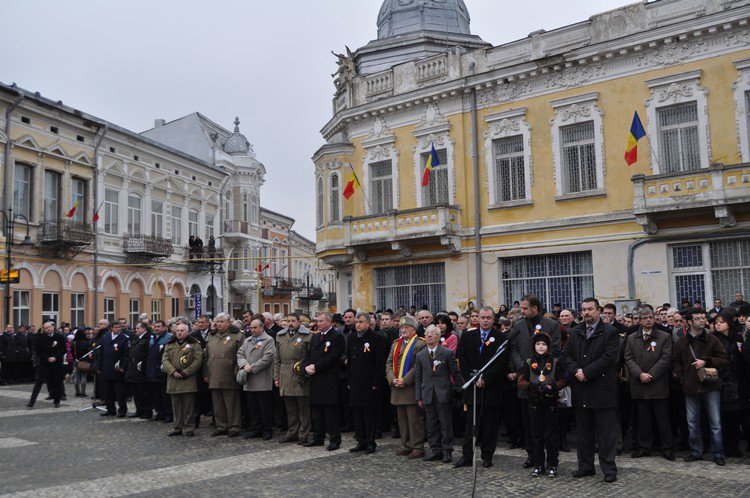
[[77, 309], [510, 170], [192, 222], [78, 195], [334, 193], [157, 218], [109, 309], [437, 190], [21, 308], [155, 309], [111, 211], [679, 148], [51, 307], [741, 90], [321, 200], [678, 120], [381, 187], [275, 262], [176, 225], [22, 190], [578, 157], [134, 214], [209, 226], [246, 258], [254, 209], [135, 312], [51, 205], [176, 306]]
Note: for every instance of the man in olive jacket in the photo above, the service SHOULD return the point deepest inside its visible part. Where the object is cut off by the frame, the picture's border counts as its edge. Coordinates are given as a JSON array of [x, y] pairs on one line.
[[400, 370], [182, 361], [220, 373], [591, 355], [648, 358], [255, 359], [292, 345]]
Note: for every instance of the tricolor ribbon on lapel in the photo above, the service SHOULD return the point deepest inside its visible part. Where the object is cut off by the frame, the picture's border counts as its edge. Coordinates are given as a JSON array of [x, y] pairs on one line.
[[402, 361]]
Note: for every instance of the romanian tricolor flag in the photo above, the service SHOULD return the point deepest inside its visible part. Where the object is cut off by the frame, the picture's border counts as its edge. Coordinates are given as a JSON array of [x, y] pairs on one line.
[[636, 133], [72, 211], [351, 185], [402, 357], [432, 161], [96, 213]]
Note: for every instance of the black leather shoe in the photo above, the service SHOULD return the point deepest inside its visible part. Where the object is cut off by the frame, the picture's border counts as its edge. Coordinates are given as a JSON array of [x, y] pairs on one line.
[[640, 454], [719, 461], [358, 448], [486, 463], [333, 446], [175, 433], [253, 435], [528, 463], [233, 433], [462, 462], [57, 405], [610, 478], [433, 457], [583, 473], [447, 457], [692, 458], [668, 455], [121, 415], [288, 439], [219, 433], [189, 434], [312, 443], [370, 449], [267, 436]]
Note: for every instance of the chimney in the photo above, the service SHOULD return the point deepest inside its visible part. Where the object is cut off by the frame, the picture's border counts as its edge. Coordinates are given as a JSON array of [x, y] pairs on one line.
[[158, 123]]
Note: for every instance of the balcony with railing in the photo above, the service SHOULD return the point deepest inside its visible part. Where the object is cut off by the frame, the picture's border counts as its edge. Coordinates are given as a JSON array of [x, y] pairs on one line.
[[720, 189], [204, 259], [147, 246], [236, 229], [65, 232]]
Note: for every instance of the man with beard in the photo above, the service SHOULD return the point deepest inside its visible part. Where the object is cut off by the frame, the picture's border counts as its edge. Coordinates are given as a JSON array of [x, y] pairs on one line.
[[366, 361], [520, 350], [111, 364], [50, 350]]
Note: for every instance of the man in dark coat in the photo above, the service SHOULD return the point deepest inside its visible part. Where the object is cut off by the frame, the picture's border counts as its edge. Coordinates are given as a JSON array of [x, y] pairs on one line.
[[111, 363], [50, 347], [591, 357], [323, 365], [157, 379], [520, 350], [365, 358], [135, 375], [475, 349], [648, 358]]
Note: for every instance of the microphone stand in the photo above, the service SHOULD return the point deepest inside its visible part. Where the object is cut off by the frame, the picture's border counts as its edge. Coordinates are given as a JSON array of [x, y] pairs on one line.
[[473, 382], [96, 405]]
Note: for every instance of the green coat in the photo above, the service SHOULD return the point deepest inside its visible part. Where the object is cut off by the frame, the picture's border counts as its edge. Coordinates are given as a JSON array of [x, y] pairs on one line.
[[187, 358], [220, 365], [290, 350]]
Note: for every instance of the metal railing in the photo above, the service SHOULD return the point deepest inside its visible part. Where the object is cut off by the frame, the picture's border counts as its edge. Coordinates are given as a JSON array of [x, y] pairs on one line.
[[236, 226], [66, 231], [147, 244]]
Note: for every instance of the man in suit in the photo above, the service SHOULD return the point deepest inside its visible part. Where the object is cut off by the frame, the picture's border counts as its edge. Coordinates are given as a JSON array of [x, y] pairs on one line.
[[323, 365], [400, 372], [157, 379], [591, 357], [520, 350], [435, 376], [111, 363], [475, 349], [50, 349], [365, 359], [135, 375], [648, 358]]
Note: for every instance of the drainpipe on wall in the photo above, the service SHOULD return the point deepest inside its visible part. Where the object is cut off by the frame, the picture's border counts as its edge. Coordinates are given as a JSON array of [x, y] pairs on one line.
[[103, 129], [676, 238], [6, 177], [477, 206], [222, 203]]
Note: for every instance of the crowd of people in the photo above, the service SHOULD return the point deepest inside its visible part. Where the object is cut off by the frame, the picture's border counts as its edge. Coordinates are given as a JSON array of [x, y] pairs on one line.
[[652, 381]]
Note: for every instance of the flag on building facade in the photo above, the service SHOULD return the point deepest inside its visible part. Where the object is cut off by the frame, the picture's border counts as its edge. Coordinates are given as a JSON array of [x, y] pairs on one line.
[[72, 211], [432, 161], [636, 133], [351, 185]]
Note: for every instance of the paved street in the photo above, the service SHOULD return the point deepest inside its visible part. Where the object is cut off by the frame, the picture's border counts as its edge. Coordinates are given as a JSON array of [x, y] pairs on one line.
[[60, 452]]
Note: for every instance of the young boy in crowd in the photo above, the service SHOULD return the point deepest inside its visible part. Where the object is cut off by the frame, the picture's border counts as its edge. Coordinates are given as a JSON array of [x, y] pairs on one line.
[[542, 377]]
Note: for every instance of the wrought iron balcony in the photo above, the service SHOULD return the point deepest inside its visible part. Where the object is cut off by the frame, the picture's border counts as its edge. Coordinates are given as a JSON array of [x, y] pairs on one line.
[[204, 260], [315, 294], [66, 232], [147, 245]]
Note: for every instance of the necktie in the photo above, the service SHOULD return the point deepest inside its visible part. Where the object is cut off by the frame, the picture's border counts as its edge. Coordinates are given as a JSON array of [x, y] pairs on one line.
[[646, 337], [432, 355], [589, 332], [484, 337]]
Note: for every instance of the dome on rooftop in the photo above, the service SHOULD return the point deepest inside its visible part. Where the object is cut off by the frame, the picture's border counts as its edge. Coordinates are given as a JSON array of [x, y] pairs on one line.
[[236, 143], [402, 17]]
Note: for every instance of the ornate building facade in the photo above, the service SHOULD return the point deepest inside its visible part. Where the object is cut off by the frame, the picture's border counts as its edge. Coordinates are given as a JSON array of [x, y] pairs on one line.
[[532, 193]]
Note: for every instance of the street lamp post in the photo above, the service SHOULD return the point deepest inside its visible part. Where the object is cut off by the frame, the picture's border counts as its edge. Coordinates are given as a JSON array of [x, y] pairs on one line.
[[307, 277], [10, 225], [214, 263]]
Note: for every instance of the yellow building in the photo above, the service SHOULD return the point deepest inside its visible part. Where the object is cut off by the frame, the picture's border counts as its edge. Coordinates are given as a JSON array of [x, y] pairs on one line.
[[532, 192]]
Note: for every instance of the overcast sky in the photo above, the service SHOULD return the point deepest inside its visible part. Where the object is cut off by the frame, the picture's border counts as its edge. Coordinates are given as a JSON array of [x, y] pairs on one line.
[[268, 62]]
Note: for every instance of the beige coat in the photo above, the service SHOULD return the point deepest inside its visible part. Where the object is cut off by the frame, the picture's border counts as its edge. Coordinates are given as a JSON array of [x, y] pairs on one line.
[[404, 395], [220, 364], [260, 357], [187, 358], [290, 350]]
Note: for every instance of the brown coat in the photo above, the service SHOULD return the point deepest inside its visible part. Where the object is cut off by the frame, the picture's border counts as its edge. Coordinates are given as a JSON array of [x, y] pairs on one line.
[[706, 347], [290, 350], [639, 358], [404, 395], [220, 365], [187, 358]]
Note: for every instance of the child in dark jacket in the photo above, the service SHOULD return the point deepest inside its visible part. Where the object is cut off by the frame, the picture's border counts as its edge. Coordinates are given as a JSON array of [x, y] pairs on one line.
[[542, 377]]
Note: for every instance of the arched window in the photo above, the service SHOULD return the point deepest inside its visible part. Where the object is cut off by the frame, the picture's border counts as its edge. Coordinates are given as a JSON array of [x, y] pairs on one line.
[[335, 202], [254, 209], [320, 201]]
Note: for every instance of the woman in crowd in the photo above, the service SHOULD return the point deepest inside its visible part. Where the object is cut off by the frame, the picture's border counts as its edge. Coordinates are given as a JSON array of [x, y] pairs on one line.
[[80, 347], [447, 337], [726, 330]]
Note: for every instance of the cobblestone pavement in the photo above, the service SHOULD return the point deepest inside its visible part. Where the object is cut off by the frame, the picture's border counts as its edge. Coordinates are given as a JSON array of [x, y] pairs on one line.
[[60, 452]]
